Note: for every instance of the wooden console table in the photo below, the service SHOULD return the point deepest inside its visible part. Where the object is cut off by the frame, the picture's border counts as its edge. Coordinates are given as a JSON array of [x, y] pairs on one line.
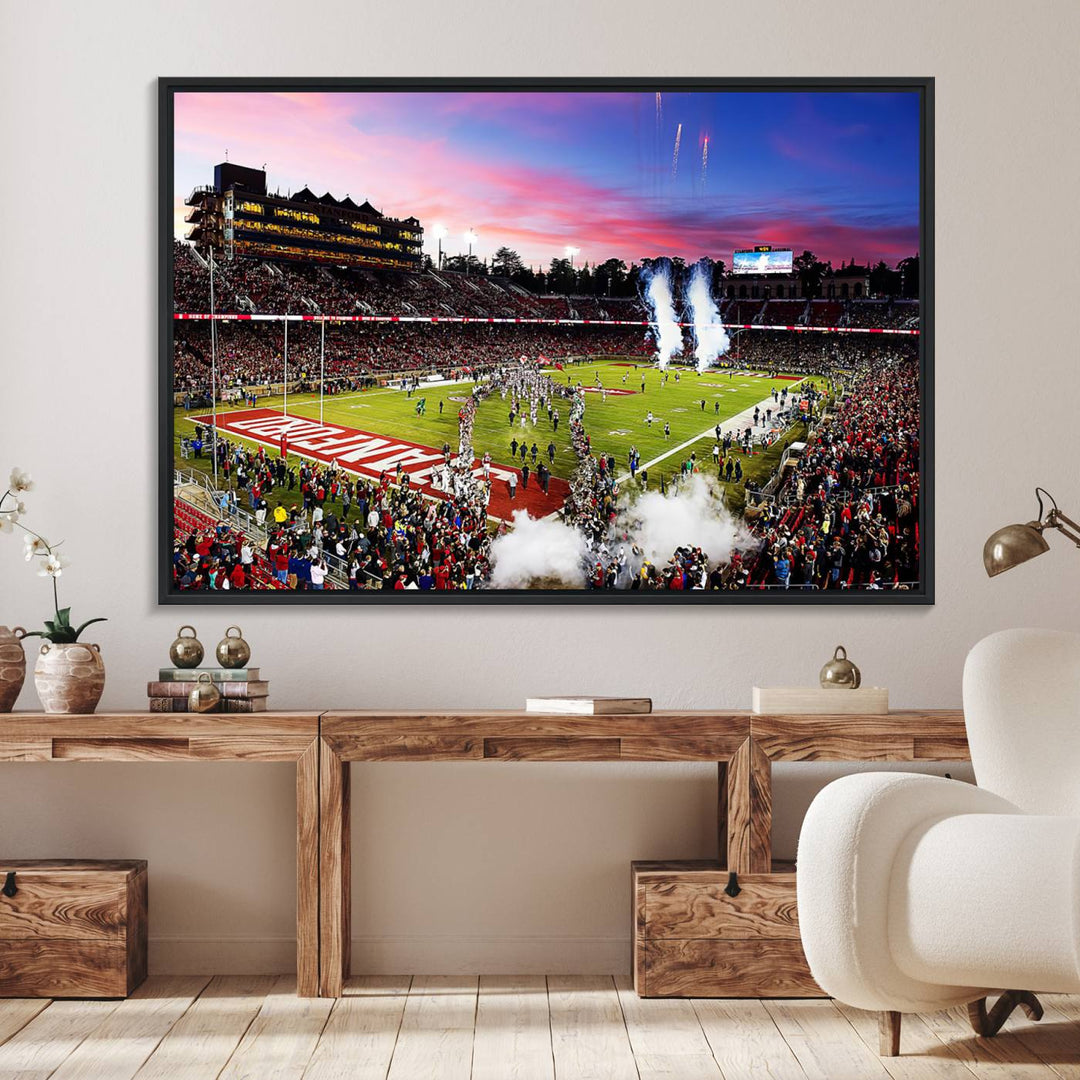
[[260, 737], [742, 745]]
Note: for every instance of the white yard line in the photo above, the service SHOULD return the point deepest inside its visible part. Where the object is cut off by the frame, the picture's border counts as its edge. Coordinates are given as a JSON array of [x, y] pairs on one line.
[[741, 421]]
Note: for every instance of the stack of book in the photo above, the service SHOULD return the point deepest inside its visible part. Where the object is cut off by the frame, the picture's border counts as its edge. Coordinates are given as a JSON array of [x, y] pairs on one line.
[[241, 689]]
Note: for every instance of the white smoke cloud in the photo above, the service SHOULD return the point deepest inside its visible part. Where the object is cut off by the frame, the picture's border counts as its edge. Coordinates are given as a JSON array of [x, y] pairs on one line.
[[661, 303], [692, 518], [710, 337], [539, 551]]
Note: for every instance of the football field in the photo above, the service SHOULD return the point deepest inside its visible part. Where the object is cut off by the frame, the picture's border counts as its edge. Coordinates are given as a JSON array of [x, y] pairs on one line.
[[617, 419]]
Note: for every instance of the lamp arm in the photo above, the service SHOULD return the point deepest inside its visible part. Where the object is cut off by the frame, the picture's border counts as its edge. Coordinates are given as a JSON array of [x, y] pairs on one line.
[[1057, 520]]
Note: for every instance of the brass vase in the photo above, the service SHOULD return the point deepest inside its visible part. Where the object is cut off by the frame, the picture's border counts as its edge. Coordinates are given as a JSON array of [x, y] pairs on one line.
[[12, 666]]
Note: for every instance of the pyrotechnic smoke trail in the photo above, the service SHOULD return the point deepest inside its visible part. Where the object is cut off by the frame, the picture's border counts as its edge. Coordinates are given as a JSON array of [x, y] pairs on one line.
[[658, 295], [710, 337], [675, 156], [704, 163], [659, 111]]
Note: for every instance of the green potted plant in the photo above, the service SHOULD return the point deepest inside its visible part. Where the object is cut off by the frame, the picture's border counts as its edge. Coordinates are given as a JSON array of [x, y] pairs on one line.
[[69, 674]]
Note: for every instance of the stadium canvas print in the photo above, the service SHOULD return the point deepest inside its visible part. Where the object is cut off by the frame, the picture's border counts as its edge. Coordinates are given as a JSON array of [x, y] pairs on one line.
[[478, 340]]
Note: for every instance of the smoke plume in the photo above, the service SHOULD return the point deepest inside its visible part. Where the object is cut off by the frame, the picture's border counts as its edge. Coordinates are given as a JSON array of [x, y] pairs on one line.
[[658, 295], [692, 518], [539, 552], [710, 337]]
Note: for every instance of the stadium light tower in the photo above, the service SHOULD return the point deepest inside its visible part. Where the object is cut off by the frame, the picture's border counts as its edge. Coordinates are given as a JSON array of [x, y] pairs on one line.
[[570, 253], [470, 238], [440, 233]]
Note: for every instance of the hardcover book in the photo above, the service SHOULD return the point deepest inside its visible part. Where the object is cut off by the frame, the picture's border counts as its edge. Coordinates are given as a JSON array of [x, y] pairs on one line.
[[228, 705], [169, 674], [225, 689], [588, 706]]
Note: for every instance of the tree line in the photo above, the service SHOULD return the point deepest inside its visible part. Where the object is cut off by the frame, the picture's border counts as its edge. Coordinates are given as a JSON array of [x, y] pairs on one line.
[[614, 278]]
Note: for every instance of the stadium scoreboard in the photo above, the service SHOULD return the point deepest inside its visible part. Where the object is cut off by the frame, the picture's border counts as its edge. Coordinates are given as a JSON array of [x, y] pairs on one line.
[[762, 259]]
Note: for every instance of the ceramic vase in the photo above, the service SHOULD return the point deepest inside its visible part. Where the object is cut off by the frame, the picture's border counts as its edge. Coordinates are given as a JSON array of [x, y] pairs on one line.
[[69, 678], [12, 666]]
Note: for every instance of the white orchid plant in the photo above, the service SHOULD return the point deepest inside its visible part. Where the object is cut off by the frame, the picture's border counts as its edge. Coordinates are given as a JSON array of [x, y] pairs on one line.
[[51, 563]]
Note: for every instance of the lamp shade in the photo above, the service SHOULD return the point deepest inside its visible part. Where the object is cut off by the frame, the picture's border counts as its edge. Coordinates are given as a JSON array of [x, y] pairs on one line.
[[1012, 545]]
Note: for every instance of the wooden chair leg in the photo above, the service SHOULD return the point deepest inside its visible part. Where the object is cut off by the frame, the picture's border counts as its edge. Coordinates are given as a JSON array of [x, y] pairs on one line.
[[988, 1024], [889, 1033]]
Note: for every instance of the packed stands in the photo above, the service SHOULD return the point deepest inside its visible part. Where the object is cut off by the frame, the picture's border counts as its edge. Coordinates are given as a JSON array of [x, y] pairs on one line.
[[784, 313], [846, 515], [825, 312]]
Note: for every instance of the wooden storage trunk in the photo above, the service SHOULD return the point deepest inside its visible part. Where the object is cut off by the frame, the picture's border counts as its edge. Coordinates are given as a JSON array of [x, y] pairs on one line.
[[72, 928], [691, 939]]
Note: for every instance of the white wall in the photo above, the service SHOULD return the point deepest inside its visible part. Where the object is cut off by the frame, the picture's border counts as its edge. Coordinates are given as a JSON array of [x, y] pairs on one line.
[[492, 867]]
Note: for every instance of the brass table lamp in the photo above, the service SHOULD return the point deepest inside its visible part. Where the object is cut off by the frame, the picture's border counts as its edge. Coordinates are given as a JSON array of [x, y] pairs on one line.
[[1015, 544]]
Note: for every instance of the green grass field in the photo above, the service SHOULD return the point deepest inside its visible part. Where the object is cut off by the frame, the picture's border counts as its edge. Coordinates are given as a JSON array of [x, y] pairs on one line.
[[614, 424]]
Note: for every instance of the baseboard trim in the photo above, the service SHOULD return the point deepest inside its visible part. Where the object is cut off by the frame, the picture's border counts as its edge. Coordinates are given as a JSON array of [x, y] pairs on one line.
[[431, 954], [446, 954], [221, 956]]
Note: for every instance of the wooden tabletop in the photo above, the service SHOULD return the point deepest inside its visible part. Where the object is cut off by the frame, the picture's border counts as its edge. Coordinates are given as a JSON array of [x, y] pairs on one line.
[[153, 736], [513, 735], [900, 735], [484, 735]]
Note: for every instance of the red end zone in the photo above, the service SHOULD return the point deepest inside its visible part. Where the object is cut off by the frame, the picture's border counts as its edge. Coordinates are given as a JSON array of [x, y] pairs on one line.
[[367, 454]]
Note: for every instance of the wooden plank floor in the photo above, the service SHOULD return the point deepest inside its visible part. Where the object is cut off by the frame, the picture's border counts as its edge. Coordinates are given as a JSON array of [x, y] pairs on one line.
[[524, 1027]]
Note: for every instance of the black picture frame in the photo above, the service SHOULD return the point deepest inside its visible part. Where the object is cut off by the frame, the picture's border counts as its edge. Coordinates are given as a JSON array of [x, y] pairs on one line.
[[922, 596]]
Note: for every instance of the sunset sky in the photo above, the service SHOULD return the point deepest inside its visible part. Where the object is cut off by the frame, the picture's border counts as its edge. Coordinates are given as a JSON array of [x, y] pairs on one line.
[[833, 172]]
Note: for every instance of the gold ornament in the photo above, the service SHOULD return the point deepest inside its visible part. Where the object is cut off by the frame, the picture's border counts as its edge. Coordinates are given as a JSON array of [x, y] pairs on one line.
[[233, 652], [840, 673], [204, 695], [186, 652]]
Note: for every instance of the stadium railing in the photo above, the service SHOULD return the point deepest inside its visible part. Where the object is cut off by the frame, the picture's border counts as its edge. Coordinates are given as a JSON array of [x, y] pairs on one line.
[[245, 523], [188, 518]]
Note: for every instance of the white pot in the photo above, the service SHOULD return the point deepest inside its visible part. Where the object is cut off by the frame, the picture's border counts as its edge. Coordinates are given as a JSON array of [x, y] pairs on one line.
[[69, 678]]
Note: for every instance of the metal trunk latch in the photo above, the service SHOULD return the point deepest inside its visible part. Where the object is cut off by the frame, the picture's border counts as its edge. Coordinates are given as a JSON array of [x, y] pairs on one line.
[[732, 886], [9, 884]]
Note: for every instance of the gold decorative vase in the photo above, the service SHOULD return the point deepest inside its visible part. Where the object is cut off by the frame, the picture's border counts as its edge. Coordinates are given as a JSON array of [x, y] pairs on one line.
[[12, 666], [69, 678]]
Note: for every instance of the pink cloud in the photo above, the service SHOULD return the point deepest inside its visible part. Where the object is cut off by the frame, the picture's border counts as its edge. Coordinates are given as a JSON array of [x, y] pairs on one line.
[[316, 139]]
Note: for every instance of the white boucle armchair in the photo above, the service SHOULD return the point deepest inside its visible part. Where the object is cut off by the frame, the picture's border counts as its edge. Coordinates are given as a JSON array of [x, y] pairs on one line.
[[918, 893]]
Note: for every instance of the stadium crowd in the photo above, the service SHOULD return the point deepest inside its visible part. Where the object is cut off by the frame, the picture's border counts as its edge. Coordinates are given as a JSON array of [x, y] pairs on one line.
[[844, 516], [846, 513], [322, 523], [244, 286], [253, 354]]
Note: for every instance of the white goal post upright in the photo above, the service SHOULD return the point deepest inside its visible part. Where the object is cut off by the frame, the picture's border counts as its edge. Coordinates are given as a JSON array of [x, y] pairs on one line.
[[285, 403], [213, 372], [322, 365]]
